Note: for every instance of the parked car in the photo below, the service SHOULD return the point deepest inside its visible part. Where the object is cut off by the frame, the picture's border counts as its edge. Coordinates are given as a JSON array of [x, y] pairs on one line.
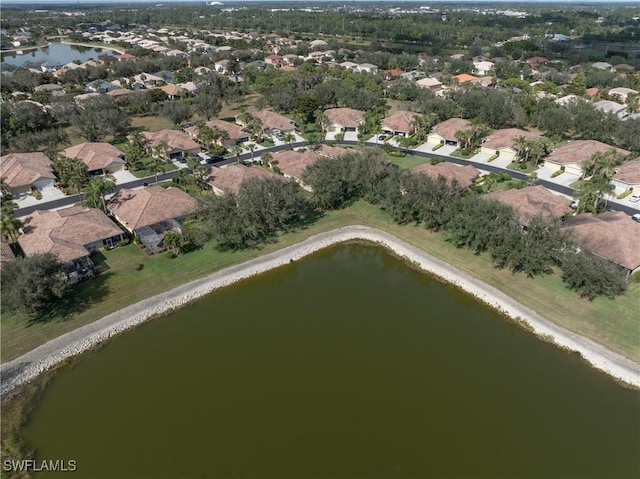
[[575, 204], [382, 137], [634, 198], [636, 217], [280, 136]]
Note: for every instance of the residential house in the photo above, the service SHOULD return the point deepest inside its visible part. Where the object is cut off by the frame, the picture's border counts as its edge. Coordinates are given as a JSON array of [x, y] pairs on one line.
[[6, 253], [99, 158], [613, 107], [400, 123], [367, 68], [627, 176], [125, 57], [202, 71], [293, 164], [349, 66], [178, 143], [273, 122], [393, 74], [601, 66], [462, 175], [611, 235], [173, 91], [148, 213], [228, 179], [622, 93], [344, 119], [622, 68], [465, 78], [445, 132], [120, 92], [504, 142], [567, 100], [79, 99], [100, 86], [236, 133], [273, 60], [531, 201], [148, 80], [574, 154], [335, 152], [71, 234], [432, 84], [535, 62], [23, 171], [483, 67], [53, 88]]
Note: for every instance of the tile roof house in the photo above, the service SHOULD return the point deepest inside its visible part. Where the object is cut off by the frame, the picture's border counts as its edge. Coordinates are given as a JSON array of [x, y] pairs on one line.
[[572, 155], [148, 213], [71, 234], [228, 179], [533, 200], [504, 142], [627, 176], [462, 175], [333, 151], [344, 119], [446, 131], [465, 78], [6, 253], [173, 91], [236, 133], [21, 170], [99, 158], [293, 163], [273, 122], [432, 84], [613, 107], [622, 93], [611, 235], [400, 123], [180, 144], [483, 67]]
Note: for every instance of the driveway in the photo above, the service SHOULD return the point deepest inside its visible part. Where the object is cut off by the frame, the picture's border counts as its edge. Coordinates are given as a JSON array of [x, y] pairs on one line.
[[49, 193], [124, 176], [564, 179]]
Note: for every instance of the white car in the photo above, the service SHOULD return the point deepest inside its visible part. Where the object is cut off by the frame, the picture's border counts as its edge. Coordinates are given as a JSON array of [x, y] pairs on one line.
[[636, 217], [634, 198]]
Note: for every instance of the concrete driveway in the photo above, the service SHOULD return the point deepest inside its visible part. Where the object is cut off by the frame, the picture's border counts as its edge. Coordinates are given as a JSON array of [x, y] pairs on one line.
[[49, 193]]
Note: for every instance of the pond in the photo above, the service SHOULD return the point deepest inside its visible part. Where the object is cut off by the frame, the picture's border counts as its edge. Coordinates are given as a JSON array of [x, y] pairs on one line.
[[347, 364], [55, 54]]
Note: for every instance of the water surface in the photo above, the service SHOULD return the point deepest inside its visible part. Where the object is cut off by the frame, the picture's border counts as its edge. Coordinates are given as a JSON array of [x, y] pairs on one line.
[[55, 54], [347, 364]]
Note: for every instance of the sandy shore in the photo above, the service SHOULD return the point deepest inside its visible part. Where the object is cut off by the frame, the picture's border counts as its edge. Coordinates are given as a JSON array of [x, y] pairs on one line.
[[103, 46], [29, 365]]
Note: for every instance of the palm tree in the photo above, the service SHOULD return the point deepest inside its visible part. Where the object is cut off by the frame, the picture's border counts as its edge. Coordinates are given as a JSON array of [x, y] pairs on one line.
[[523, 146], [322, 121], [197, 172], [237, 151], [134, 150], [174, 241], [205, 135], [266, 158], [465, 137], [97, 188], [251, 147], [10, 226], [288, 138], [245, 117], [156, 166], [161, 149]]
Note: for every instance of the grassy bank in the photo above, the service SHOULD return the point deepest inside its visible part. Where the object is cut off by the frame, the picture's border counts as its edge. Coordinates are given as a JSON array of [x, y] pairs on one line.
[[131, 275]]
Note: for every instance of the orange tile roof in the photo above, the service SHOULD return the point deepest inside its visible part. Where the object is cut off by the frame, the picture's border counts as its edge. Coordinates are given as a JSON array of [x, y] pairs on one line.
[[230, 178], [611, 235], [345, 116], [66, 232], [150, 205], [293, 163], [95, 156], [448, 128], [463, 175], [465, 77], [533, 200], [401, 120], [507, 137], [628, 172], [21, 169], [579, 151]]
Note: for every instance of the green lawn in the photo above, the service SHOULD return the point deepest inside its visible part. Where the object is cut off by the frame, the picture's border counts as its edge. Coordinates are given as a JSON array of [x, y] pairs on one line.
[[528, 167], [407, 162], [465, 155], [613, 323], [143, 173]]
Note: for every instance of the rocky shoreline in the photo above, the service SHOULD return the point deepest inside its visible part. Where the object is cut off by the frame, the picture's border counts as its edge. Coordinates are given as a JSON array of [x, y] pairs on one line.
[[28, 366]]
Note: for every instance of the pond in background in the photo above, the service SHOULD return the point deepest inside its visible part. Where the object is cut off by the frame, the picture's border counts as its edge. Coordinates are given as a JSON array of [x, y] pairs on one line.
[[347, 364], [56, 53]]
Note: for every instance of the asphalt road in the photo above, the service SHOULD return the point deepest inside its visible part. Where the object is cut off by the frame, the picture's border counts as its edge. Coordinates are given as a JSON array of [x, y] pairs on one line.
[[72, 199]]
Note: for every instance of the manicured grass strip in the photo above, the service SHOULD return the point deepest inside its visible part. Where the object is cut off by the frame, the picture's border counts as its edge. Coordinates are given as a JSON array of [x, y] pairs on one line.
[[407, 162], [613, 323]]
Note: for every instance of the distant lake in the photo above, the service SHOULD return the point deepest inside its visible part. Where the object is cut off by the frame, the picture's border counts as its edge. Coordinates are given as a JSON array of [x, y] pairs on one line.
[[347, 364], [55, 53]]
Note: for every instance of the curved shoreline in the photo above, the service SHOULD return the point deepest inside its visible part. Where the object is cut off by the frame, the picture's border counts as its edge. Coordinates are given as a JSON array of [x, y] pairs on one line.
[[26, 367], [89, 45]]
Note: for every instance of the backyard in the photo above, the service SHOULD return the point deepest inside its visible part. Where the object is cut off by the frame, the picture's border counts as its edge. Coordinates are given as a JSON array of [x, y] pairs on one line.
[[130, 275]]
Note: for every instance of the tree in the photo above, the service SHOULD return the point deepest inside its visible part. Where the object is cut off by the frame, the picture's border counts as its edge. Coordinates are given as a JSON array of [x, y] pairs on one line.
[[251, 147], [598, 175], [134, 149], [100, 117], [156, 166], [97, 188], [265, 158], [288, 138], [73, 173], [173, 240], [177, 111], [33, 284], [237, 151], [591, 276]]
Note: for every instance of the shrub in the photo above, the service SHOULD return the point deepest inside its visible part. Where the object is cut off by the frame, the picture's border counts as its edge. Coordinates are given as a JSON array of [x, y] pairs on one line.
[[625, 193], [169, 254], [591, 276], [558, 173], [438, 146], [493, 157]]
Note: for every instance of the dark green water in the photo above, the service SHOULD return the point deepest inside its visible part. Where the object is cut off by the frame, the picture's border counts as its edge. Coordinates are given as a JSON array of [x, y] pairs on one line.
[[345, 365]]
